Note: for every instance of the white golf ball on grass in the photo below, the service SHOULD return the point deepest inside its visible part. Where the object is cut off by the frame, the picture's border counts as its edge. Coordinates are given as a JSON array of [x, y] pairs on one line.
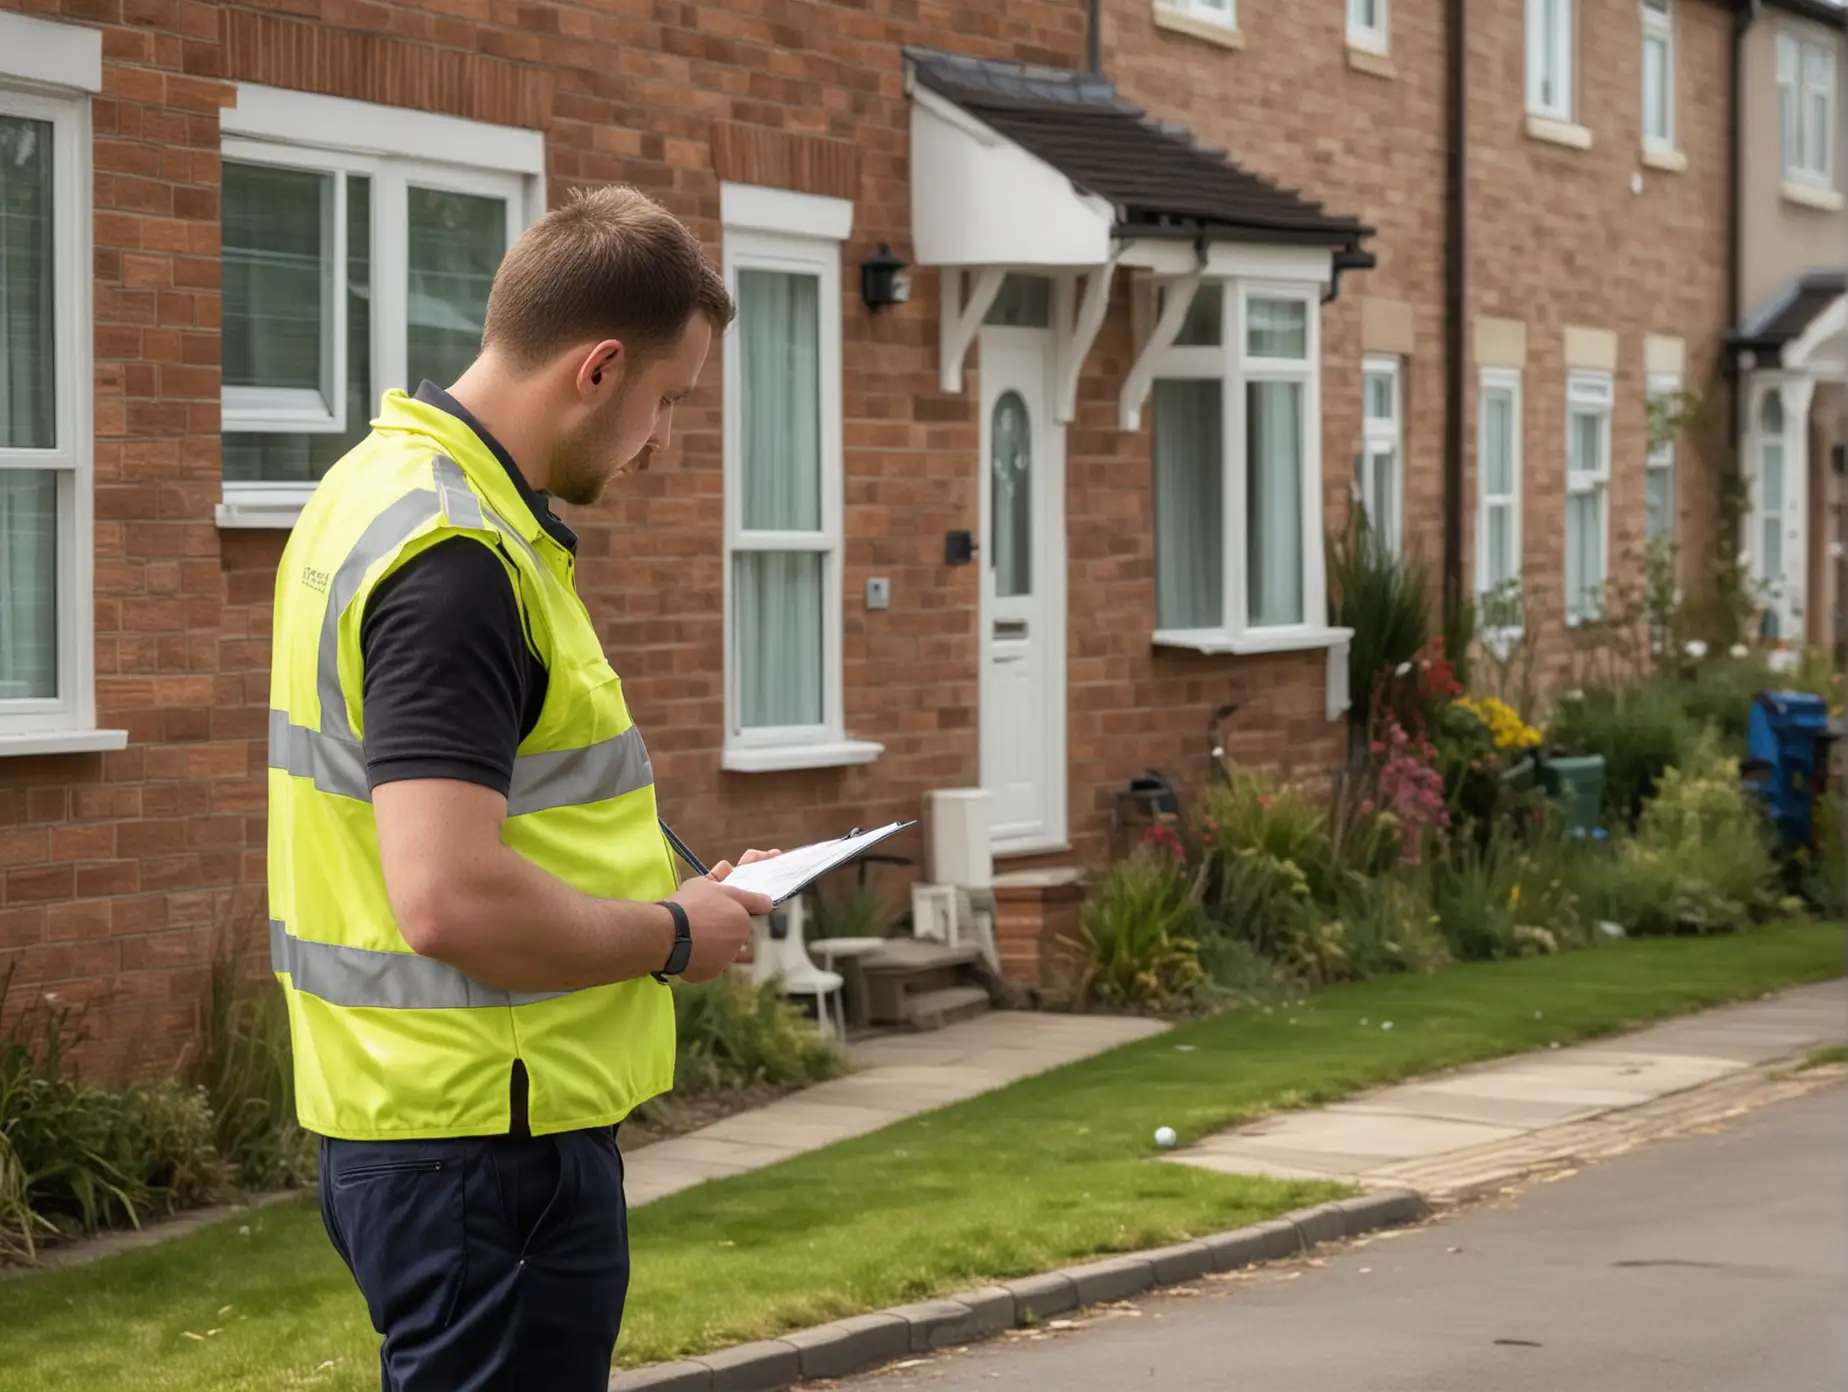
[[1164, 1137]]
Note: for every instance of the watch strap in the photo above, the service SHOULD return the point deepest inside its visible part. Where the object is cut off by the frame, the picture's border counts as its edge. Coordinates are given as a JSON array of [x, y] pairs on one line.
[[683, 942]]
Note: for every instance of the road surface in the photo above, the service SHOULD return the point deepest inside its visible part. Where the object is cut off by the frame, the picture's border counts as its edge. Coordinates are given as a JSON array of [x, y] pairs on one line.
[[1707, 1263]]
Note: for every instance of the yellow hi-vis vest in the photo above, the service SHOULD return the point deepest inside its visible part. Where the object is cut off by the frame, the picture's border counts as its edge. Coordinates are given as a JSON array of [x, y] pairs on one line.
[[390, 1044]]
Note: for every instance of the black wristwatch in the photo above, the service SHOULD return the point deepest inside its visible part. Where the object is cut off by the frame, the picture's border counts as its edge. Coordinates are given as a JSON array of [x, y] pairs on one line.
[[683, 943]]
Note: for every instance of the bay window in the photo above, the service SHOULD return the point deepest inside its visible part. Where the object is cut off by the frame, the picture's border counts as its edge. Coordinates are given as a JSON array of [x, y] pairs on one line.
[[1237, 473]]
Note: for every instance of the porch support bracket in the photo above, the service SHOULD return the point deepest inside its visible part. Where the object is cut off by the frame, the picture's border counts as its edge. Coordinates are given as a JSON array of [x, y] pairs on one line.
[[959, 322], [1142, 374], [1077, 348]]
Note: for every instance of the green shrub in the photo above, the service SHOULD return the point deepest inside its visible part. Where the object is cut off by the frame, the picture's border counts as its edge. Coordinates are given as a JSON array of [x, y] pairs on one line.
[[1384, 597], [1138, 934], [733, 1034], [76, 1158], [1640, 730], [1502, 898]]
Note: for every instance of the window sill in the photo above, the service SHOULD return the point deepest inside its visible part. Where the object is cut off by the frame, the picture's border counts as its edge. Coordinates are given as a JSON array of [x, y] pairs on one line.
[[1824, 200], [785, 758], [1669, 161], [1223, 35], [1370, 60], [63, 742], [260, 511], [1254, 642], [1554, 132]]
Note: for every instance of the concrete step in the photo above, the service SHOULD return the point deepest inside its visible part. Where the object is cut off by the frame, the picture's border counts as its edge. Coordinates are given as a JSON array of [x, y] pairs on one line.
[[929, 1010], [907, 955]]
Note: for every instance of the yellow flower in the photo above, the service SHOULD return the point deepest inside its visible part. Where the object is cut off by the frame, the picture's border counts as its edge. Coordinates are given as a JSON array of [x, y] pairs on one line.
[[1505, 726]]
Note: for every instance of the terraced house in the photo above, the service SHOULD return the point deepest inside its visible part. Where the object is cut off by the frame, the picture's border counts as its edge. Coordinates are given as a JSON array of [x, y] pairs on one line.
[[1067, 333]]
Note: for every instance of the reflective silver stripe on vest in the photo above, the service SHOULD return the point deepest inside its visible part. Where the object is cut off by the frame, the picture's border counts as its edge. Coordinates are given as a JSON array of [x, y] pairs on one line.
[[386, 531], [336, 765], [362, 977], [555, 778], [460, 504]]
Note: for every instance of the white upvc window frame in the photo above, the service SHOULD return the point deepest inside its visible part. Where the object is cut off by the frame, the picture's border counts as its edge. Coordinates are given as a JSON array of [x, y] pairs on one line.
[[47, 73], [1797, 58], [1221, 12], [1498, 380], [1589, 392], [1555, 51], [1375, 37], [1230, 362], [805, 234], [1659, 26], [1383, 434], [1662, 386], [395, 148]]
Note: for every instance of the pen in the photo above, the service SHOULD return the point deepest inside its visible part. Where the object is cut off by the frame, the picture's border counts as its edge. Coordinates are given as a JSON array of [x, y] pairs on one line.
[[680, 849]]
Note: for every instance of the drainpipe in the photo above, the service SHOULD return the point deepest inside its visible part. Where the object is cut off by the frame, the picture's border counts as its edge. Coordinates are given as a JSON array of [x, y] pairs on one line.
[[1095, 39], [1456, 194], [1743, 14]]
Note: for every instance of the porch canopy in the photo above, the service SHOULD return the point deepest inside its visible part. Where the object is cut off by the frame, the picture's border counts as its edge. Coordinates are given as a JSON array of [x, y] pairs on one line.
[[1050, 172]]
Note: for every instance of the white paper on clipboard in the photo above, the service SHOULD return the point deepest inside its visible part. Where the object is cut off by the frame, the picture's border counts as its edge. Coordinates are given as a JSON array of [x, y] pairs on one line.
[[785, 876]]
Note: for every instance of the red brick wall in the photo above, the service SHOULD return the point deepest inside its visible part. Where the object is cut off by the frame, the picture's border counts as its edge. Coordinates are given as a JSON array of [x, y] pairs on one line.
[[115, 867]]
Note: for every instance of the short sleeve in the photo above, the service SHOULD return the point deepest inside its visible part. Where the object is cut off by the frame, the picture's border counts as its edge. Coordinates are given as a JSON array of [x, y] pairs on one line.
[[448, 674]]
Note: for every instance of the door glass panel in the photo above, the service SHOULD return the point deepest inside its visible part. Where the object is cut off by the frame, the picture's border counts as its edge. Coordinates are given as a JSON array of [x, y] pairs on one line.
[[1010, 476]]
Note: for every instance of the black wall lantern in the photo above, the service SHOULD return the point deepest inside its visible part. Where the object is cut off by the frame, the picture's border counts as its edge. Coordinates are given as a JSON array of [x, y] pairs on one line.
[[883, 282]]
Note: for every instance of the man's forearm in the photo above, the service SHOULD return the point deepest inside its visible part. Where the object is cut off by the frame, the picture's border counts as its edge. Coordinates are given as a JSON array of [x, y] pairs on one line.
[[508, 924]]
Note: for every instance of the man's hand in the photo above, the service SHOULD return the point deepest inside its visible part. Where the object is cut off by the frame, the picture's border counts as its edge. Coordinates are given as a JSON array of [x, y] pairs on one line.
[[720, 920]]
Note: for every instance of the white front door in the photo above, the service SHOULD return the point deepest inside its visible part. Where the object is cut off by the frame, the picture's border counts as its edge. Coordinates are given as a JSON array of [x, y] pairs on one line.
[[1022, 556], [1780, 527]]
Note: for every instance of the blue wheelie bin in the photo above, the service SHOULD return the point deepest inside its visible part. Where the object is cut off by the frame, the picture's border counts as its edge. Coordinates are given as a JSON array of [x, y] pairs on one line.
[[1787, 740]]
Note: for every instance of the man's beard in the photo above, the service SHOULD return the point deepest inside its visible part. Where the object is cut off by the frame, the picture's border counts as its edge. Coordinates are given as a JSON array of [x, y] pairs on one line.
[[580, 466]]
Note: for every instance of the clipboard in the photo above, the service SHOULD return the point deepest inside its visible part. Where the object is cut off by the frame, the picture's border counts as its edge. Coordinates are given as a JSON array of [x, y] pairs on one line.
[[783, 877]]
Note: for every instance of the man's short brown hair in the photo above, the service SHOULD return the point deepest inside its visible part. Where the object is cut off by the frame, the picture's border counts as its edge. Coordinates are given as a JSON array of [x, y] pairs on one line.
[[610, 263]]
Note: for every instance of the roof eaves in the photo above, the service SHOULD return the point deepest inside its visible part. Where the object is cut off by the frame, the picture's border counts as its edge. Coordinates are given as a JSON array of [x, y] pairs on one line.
[[1820, 11]]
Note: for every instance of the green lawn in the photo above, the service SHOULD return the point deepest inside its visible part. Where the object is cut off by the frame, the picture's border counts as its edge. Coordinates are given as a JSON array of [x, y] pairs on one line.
[[1050, 1170]]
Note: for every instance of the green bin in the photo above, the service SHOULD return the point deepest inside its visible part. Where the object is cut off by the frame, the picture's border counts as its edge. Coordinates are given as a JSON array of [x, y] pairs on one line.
[[1577, 784]]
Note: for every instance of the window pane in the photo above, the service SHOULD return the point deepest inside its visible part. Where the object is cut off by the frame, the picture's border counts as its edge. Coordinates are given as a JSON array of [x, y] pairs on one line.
[[1771, 565], [1498, 526], [1274, 501], [1771, 479], [1379, 396], [777, 628], [1011, 486], [28, 346], [779, 329], [1025, 302], [1586, 442], [1189, 516], [1204, 323], [1497, 443], [1658, 504], [278, 271], [28, 584], [1788, 109], [1655, 89], [1277, 329], [1816, 134], [1383, 504], [456, 240], [1771, 414], [1552, 80], [1584, 551], [253, 458]]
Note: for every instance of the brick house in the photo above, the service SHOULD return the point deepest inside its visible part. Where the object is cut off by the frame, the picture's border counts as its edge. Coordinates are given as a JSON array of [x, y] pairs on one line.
[[1788, 343], [1023, 530]]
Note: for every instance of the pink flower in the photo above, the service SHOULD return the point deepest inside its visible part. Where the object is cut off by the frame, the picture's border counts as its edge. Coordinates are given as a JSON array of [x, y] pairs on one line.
[[1378, 748], [1366, 808]]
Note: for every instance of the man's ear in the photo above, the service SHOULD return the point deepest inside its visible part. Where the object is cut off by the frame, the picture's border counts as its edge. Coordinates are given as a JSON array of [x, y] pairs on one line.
[[607, 360]]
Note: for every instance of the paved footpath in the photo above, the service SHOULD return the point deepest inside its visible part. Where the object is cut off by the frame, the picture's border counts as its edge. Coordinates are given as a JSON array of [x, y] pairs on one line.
[[1434, 1134], [900, 1075]]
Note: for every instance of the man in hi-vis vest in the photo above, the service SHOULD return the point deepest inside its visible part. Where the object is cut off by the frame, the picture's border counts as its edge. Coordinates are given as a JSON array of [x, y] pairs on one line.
[[473, 908]]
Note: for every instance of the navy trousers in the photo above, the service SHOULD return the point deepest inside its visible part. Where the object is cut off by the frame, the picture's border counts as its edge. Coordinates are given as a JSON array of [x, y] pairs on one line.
[[487, 1264]]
